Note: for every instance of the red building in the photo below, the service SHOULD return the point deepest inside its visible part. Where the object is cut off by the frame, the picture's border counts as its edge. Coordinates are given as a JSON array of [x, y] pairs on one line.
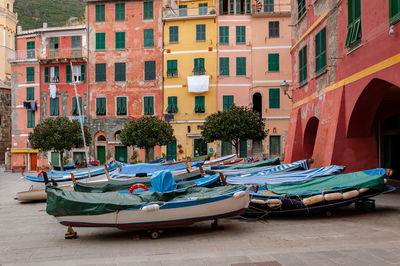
[[346, 95], [125, 70], [42, 87]]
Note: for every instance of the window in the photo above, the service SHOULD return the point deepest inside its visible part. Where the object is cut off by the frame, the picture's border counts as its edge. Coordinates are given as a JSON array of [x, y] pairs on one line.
[[51, 74], [83, 73], [248, 7], [353, 22], [148, 10], [240, 66], [303, 65], [182, 10], [55, 106], [273, 29], [30, 74], [173, 34], [78, 73], [274, 144], [200, 32], [232, 7], [120, 11], [200, 147], [199, 104], [240, 34], [101, 106], [224, 35], [268, 5], [150, 70], [30, 93], [100, 13], [31, 119], [198, 68], [53, 43], [274, 98], [227, 101], [224, 66], [148, 38], [120, 72], [273, 62], [203, 9], [394, 11], [172, 68], [223, 7], [120, 40], [320, 51], [121, 106], [148, 108], [101, 41], [301, 7], [30, 49], [74, 110], [76, 45], [68, 74], [240, 7], [100, 72], [172, 107]]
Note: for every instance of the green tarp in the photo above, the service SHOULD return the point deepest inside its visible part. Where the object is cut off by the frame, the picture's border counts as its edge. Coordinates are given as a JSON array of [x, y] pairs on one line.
[[364, 179], [69, 203]]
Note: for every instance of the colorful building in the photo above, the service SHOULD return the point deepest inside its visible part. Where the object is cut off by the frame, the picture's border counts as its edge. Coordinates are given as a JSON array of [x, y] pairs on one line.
[[346, 60], [190, 74], [253, 60], [125, 71], [42, 87]]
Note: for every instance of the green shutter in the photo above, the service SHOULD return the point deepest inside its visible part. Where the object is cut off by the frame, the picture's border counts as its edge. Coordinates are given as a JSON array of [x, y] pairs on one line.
[[172, 68], [320, 51], [30, 74], [274, 98], [172, 104], [74, 110], [226, 148], [171, 151], [238, 7], [46, 74], [224, 35], [221, 7], [303, 65], [224, 66], [148, 38], [301, 7], [203, 9], [149, 70], [200, 32], [199, 66], [231, 7], [120, 40], [199, 104], [273, 62], [274, 145], [30, 93], [55, 106], [100, 74], [173, 34], [394, 11], [119, 11], [68, 73], [100, 13], [353, 22], [101, 41], [83, 73], [30, 49], [243, 149], [148, 105], [30, 119], [101, 106], [227, 101], [148, 10], [240, 34], [240, 66], [182, 10], [120, 72], [121, 106]]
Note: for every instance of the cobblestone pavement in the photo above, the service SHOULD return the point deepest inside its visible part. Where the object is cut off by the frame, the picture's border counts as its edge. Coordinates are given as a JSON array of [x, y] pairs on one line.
[[349, 237]]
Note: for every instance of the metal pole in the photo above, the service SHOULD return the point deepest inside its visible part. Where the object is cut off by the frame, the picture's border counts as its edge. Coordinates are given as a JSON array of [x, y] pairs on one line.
[[80, 118]]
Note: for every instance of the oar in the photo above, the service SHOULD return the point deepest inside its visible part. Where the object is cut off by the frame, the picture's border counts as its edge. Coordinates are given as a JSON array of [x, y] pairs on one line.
[[223, 179], [107, 172], [73, 178]]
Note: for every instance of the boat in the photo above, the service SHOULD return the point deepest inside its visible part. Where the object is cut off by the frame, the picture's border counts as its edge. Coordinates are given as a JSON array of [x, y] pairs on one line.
[[221, 159], [318, 194], [273, 161], [146, 211]]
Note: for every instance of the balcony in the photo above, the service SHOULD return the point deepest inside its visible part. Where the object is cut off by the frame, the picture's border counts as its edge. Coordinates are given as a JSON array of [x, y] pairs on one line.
[[270, 8], [77, 54], [170, 13]]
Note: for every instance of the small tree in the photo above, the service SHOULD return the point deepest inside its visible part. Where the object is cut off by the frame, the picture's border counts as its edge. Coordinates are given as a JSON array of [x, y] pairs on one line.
[[58, 134], [147, 132], [233, 125]]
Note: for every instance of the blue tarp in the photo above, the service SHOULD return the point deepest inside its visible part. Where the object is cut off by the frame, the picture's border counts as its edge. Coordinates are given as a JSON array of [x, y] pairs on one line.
[[149, 168], [163, 181]]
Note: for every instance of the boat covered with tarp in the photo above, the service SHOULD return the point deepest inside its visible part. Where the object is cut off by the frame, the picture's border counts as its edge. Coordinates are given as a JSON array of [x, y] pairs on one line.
[[273, 161]]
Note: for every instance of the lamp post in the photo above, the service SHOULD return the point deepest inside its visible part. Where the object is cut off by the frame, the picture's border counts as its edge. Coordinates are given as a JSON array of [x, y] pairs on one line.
[[285, 88]]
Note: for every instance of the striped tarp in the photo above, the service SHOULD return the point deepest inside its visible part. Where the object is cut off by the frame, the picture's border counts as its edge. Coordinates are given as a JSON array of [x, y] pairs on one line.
[[265, 177]]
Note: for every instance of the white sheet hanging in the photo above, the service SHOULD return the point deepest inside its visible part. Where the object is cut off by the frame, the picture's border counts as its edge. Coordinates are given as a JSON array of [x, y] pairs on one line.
[[198, 84], [53, 91]]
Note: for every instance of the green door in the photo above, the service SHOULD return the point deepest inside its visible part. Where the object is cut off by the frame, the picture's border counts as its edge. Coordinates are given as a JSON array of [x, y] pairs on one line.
[[171, 151], [226, 148], [200, 147], [55, 159], [101, 154], [243, 149], [151, 154], [121, 154]]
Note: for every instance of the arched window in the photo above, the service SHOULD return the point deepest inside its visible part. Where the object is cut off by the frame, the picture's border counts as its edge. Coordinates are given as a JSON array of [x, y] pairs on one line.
[[101, 138]]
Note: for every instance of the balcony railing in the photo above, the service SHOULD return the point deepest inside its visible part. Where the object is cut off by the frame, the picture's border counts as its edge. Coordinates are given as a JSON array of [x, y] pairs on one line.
[[62, 53], [170, 13], [69, 53], [268, 6]]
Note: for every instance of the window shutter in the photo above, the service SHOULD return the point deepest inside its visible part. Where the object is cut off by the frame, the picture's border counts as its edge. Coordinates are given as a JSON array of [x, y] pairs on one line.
[[238, 7], [273, 62], [30, 93], [120, 11], [240, 66], [148, 37], [31, 119], [83, 73], [46, 74], [148, 10], [100, 41], [248, 7], [221, 7], [231, 7], [100, 13], [173, 34], [68, 73], [224, 66]]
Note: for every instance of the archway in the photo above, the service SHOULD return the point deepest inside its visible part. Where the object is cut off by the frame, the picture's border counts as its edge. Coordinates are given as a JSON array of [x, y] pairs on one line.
[[257, 103], [101, 147], [310, 135]]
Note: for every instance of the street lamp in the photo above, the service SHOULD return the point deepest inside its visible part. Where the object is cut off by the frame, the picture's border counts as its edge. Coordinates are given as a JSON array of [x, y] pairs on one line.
[[285, 88]]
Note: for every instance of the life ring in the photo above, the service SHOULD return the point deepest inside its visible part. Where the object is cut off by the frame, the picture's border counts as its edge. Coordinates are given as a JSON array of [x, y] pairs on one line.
[[40, 173], [135, 186]]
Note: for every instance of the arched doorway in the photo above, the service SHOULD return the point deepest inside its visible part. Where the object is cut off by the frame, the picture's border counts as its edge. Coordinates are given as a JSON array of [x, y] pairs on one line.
[[257, 103], [101, 147], [310, 135]]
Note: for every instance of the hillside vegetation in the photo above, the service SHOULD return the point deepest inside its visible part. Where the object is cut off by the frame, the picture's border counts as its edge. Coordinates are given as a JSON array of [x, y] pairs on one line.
[[32, 13]]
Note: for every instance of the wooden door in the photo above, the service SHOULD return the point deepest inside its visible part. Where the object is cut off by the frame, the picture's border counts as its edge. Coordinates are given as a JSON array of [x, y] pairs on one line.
[[33, 161]]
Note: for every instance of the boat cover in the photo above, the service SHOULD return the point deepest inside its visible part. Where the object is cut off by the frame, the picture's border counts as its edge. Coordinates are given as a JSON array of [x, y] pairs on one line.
[[275, 176], [69, 203], [364, 179], [163, 181], [273, 161], [132, 169]]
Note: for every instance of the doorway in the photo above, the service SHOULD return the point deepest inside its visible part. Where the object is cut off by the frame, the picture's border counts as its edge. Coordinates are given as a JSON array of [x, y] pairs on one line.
[[257, 103], [390, 144], [101, 154]]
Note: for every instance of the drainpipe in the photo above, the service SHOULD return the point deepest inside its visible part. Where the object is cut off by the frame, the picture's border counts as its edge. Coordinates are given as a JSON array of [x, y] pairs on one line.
[[88, 65]]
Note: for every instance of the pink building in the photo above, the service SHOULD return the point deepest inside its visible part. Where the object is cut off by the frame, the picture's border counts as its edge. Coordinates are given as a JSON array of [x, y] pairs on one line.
[[253, 60]]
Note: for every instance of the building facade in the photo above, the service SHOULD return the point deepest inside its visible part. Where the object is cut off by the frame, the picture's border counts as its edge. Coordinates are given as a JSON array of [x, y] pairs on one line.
[[190, 74], [5, 123], [346, 60], [125, 71], [45, 65]]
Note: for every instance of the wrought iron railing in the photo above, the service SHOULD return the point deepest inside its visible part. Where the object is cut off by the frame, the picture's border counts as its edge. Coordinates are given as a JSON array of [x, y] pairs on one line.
[[169, 12]]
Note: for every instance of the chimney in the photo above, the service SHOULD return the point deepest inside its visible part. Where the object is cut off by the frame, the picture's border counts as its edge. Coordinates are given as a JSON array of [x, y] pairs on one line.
[[44, 25]]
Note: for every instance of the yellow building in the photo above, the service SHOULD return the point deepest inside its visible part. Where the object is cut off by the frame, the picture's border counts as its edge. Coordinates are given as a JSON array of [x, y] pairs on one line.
[[8, 24], [190, 72]]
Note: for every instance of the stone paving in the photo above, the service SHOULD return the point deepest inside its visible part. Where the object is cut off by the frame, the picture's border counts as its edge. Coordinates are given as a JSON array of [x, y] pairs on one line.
[[29, 236]]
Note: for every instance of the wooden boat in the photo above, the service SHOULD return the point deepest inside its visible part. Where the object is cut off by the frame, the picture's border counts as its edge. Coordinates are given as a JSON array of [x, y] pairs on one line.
[[149, 210]]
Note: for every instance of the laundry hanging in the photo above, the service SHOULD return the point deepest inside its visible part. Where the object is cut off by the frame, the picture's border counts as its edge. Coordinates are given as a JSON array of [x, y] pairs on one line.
[[198, 84], [53, 91]]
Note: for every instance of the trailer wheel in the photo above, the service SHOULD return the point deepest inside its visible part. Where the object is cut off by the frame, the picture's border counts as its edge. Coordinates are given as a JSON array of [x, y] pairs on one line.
[[154, 235]]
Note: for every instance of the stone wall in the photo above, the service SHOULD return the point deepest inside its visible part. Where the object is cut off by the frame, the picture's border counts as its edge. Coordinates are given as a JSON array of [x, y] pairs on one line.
[[5, 122]]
